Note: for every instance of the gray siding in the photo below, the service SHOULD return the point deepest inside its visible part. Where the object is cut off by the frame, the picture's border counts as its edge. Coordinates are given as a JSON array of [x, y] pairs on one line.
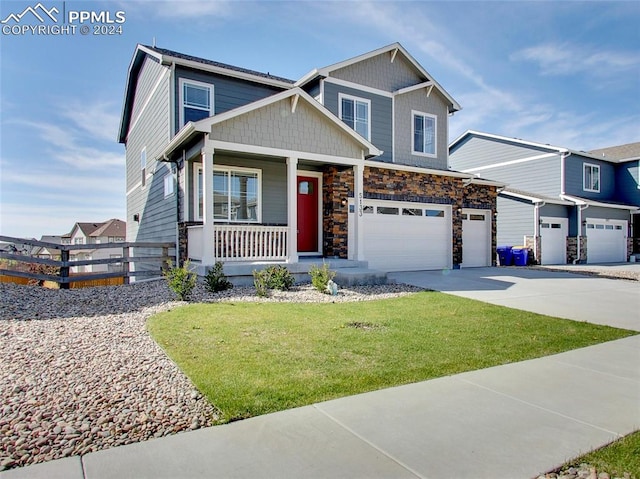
[[378, 72], [275, 126], [540, 176], [473, 152], [605, 213], [627, 179], [514, 222], [574, 170], [381, 115], [274, 186], [229, 93], [434, 104], [150, 129], [555, 211]]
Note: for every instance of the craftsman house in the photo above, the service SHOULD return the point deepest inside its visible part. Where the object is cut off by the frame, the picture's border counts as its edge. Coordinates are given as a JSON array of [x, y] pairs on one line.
[[349, 162], [568, 206]]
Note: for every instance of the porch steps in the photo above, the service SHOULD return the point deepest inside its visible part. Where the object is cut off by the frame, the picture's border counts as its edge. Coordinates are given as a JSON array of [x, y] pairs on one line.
[[348, 272]]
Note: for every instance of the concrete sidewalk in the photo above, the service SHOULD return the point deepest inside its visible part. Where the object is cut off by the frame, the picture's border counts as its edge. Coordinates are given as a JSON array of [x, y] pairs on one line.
[[512, 421]]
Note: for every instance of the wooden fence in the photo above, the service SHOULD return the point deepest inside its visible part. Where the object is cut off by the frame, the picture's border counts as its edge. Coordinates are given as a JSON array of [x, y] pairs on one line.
[[65, 279]]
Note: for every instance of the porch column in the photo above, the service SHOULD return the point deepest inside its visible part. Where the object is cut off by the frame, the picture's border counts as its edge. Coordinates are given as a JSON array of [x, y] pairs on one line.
[[358, 196], [292, 210], [208, 255]]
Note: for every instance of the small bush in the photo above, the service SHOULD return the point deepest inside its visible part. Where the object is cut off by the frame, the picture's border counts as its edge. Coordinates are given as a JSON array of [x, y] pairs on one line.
[[181, 280], [274, 277], [260, 281], [320, 277], [215, 280]]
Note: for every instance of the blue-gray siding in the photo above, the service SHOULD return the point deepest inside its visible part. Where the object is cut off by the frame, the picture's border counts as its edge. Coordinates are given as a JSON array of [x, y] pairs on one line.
[[514, 222], [627, 179], [473, 152], [574, 171], [149, 129], [381, 115], [229, 93], [418, 101]]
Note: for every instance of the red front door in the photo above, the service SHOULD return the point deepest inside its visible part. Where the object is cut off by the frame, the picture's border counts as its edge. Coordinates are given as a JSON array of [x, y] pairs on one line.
[[307, 214]]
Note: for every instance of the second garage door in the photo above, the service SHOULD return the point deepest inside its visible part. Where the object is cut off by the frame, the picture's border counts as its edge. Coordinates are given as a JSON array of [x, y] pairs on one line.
[[606, 241], [402, 236], [476, 238], [553, 232]]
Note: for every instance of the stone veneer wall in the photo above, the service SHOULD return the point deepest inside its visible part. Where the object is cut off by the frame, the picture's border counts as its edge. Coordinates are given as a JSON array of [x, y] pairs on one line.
[[388, 184], [572, 249], [337, 185], [529, 242]]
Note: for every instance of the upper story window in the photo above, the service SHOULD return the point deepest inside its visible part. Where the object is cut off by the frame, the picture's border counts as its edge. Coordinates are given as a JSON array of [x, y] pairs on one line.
[[236, 194], [196, 101], [356, 112], [591, 178], [424, 133], [79, 241]]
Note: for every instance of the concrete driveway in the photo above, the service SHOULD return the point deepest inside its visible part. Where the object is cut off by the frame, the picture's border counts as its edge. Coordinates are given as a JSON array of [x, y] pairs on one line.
[[565, 295]]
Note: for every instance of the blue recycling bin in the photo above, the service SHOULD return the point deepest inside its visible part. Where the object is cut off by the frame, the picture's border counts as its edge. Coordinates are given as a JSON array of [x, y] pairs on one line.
[[505, 255], [520, 256]]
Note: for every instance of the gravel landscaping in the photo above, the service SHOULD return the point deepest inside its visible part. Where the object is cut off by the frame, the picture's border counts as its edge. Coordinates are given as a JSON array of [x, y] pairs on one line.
[[80, 373]]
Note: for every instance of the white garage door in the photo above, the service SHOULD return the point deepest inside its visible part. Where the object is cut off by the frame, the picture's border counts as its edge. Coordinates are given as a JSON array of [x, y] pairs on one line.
[[476, 238], [402, 236], [606, 241], [553, 233]]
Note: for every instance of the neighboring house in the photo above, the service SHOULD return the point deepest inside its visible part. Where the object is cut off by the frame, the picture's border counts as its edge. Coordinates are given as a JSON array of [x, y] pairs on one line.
[[46, 252], [111, 231], [350, 161], [627, 158], [559, 201]]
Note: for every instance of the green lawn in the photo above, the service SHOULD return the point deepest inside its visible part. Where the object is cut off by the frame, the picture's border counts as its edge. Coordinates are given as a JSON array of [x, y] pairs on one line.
[[254, 358], [616, 459]]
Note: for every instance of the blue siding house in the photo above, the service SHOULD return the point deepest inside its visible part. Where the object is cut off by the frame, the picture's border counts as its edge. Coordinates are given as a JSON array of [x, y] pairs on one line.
[[568, 206], [349, 162]]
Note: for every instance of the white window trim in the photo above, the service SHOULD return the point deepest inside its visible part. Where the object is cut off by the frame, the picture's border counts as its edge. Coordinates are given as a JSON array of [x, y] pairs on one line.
[[188, 81], [168, 180], [435, 134], [344, 96], [584, 185], [198, 172]]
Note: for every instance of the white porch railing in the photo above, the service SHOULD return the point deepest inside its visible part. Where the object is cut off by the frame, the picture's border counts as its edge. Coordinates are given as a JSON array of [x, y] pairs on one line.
[[250, 243]]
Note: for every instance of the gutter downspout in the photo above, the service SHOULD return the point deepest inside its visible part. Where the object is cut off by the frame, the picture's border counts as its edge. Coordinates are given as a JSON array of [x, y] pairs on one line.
[[177, 164], [536, 228], [581, 208]]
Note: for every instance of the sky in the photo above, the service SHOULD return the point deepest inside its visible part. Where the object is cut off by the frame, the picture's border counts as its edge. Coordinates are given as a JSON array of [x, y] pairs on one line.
[[565, 73]]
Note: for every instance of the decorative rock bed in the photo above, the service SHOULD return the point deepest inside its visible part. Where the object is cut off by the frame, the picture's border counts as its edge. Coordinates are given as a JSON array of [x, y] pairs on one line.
[[79, 372]]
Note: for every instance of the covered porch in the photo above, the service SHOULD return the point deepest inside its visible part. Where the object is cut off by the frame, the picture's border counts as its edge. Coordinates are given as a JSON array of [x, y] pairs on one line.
[[269, 183]]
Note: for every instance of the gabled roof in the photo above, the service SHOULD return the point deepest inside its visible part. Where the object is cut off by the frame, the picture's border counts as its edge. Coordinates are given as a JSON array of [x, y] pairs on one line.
[[620, 153], [296, 94], [518, 141], [169, 57], [395, 49], [112, 227]]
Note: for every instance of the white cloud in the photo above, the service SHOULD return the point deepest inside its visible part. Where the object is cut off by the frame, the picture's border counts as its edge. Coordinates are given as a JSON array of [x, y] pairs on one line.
[[100, 120], [567, 59]]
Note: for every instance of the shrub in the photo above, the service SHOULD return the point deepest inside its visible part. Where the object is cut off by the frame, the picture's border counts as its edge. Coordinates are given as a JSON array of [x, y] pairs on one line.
[[320, 277], [181, 280], [215, 280], [274, 277]]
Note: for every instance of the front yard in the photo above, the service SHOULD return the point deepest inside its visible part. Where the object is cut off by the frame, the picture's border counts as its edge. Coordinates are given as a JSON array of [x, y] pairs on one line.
[[255, 358]]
